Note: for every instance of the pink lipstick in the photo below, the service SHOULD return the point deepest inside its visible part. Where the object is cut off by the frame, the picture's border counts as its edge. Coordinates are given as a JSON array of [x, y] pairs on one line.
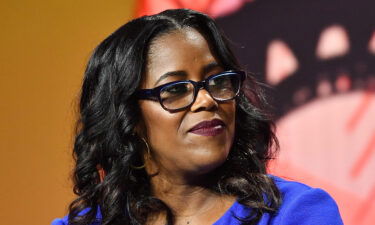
[[208, 128]]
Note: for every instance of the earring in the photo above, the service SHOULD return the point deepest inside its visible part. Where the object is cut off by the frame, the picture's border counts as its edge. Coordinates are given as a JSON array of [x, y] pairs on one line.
[[148, 153], [148, 147]]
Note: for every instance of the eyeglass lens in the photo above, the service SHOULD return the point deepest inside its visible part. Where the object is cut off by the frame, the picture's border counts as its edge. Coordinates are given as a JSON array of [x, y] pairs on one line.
[[180, 95], [177, 96]]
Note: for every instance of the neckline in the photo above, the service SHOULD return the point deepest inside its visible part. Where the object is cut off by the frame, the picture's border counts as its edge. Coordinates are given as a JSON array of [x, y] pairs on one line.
[[223, 218]]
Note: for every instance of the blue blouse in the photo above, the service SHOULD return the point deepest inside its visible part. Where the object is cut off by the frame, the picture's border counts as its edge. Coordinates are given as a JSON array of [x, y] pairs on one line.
[[301, 205]]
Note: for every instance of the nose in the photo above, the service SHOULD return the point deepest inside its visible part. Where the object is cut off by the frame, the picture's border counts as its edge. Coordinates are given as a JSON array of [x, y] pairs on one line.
[[203, 101]]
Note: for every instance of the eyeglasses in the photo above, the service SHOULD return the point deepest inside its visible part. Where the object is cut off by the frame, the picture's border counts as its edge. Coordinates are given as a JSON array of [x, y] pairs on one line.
[[179, 95]]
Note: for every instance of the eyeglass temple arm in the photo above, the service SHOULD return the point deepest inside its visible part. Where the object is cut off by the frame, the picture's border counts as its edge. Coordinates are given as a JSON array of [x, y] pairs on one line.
[[146, 94]]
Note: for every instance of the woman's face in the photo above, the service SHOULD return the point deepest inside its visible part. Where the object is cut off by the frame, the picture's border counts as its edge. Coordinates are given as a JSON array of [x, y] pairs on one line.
[[175, 148]]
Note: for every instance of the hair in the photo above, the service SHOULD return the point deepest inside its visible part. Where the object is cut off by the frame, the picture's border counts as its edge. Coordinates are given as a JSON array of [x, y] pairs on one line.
[[109, 113]]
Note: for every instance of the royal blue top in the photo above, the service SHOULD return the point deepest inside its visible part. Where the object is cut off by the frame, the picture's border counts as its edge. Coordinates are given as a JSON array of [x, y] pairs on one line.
[[301, 205]]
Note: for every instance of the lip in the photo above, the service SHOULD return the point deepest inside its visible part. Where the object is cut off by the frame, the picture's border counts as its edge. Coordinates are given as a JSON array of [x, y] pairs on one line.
[[208, 128]]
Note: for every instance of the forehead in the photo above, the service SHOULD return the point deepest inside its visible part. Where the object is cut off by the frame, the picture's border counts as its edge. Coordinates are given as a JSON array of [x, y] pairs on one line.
[[179, 50], [183, 35]]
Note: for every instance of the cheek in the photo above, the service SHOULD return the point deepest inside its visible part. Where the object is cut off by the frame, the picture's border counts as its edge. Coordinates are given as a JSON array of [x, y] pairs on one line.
[[229, 111], [174, 148], [229, 115], [161, 126]]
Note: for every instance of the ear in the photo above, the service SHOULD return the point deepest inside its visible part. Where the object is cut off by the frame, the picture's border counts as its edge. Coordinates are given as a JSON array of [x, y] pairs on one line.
[[101, 172], [140, 129]]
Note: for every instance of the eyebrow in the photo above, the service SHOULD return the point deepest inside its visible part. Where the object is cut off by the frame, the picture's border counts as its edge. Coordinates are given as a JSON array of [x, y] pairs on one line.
[[209, 67], [206, 69], [179, 73]]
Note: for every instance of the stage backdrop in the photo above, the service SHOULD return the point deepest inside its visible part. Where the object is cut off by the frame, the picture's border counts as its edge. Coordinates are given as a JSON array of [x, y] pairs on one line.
[[318, 57], [44, 48]]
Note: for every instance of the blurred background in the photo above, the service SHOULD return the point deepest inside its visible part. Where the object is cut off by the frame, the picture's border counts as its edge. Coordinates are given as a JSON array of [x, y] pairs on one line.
[[44, 48], [316, 56]]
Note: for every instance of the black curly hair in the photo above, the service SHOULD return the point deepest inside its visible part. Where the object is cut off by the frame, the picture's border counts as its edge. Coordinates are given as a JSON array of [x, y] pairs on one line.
[[109, 113]]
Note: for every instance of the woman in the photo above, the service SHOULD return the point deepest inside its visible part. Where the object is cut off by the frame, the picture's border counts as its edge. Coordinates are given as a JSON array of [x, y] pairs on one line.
[[171, 131]]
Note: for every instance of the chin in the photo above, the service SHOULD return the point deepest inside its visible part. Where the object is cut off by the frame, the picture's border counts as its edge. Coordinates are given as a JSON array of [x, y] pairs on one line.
[[209, 163]]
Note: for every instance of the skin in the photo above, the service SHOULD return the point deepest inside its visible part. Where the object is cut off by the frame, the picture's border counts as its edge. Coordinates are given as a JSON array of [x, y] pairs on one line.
[[180, 161]]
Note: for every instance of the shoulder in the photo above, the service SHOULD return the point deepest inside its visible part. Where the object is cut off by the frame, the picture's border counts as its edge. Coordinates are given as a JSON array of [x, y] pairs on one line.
[[62, 221], [293, 192], [302, 204]]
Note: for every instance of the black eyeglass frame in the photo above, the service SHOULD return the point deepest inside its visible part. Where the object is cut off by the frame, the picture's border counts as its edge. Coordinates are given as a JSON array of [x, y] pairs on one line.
[[154, 93]]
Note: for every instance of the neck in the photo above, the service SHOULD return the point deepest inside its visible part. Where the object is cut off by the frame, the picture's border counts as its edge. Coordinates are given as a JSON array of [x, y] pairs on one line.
[[190, 200], [187, 194], [177, 195]]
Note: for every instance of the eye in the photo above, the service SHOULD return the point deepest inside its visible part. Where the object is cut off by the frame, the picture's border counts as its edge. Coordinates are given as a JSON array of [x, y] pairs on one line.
[[221, 82], [176, 89]]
